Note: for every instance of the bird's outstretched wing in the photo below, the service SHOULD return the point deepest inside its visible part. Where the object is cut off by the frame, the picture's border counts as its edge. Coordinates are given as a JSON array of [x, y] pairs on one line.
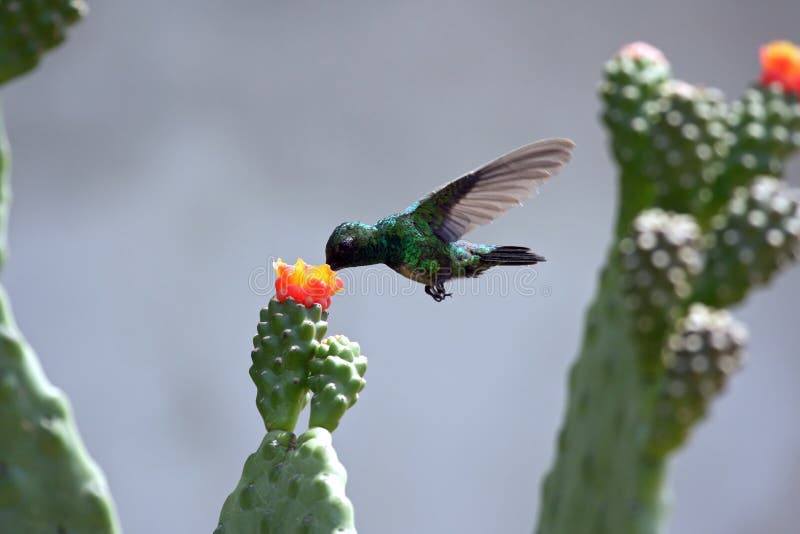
[[488, 192]]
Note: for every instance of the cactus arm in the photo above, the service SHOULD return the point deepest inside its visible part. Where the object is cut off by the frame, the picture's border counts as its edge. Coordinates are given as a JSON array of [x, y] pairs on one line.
[[336, 378], [632, 82], [765, 132], [753, 240]]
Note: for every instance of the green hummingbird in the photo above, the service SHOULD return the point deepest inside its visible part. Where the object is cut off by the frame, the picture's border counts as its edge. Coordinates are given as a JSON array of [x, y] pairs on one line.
[[424, 242]]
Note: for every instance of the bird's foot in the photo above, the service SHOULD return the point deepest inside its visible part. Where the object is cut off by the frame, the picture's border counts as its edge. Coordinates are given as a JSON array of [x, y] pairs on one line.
[[437, 292]]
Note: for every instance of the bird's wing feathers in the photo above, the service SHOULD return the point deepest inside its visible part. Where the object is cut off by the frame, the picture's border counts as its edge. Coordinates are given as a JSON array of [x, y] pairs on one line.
[[488, 192]]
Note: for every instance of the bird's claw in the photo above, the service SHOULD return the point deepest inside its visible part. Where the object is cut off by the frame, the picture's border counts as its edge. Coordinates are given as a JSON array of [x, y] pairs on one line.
[[437, 292]]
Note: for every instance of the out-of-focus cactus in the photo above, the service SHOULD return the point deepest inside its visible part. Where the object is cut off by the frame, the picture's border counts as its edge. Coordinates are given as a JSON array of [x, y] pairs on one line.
[[295, 483], [698, 227], [28, 28], [48, 482]]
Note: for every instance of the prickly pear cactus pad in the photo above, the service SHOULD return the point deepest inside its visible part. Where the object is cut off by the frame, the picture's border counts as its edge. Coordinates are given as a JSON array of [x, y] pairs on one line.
[[703, 218], [291, 484], [295, 483], [48, 482], [288, 337], [336, 376]]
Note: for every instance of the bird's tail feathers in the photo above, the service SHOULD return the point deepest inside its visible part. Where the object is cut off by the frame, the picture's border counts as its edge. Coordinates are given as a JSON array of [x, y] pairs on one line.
[[512, 256]]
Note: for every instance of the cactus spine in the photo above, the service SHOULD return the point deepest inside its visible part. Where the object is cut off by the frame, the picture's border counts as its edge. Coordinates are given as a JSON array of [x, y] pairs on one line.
[[48, 482], [698, 227], [295, 483]]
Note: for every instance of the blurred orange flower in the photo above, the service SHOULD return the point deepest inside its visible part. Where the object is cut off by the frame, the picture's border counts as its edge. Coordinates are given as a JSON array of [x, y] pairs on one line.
[[306, 284], [780, 63]]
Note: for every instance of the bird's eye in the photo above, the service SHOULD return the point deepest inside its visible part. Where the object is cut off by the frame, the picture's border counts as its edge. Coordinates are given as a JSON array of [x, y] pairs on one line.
[[348, 243]]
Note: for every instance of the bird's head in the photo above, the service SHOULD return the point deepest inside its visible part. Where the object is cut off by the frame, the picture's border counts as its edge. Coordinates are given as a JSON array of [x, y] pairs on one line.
[[348, 244]]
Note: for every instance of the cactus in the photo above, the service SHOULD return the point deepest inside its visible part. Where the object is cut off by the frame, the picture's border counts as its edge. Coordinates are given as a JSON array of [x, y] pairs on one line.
[[48, 482], [337, 375], [28, 28], [290, 484], [700, 225], [296, 483]]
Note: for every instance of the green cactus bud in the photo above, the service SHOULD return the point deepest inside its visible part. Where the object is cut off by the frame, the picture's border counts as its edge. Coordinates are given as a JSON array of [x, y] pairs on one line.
[[691, 141], [698, 359], [336, 378], [754, 239], [290, 485], [659, 259], [630, 89], [765, 124], [28, 28], [288, 336]]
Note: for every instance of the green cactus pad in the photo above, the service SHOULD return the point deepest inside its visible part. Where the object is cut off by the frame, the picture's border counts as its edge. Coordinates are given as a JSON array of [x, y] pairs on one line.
[[288, 337], [630, 89], [765, 124], [48, 482], [5, 190], [336, 378], [659, 259], [756, 238], [690, 139], [28, 28], [700, 356], [290, 485]]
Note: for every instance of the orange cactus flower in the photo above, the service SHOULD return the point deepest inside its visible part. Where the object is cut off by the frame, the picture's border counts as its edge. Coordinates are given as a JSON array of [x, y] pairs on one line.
[[306, 284], [780, 63]]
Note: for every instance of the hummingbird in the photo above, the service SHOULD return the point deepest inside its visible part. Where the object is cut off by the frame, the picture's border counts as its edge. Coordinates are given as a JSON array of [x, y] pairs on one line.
[[423, 243]]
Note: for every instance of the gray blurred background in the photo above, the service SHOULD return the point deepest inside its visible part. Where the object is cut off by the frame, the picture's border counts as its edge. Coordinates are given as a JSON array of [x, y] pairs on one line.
[[171, 149]]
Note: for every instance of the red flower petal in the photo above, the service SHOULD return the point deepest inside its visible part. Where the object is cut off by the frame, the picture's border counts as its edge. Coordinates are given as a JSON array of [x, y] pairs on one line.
[[780, 64]]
